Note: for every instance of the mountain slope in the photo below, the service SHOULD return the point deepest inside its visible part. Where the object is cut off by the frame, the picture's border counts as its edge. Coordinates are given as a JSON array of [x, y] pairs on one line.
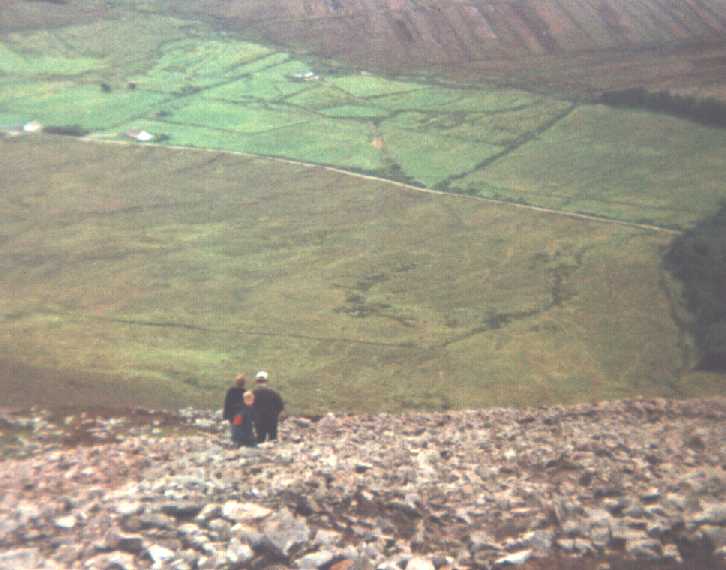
[[473, 37]]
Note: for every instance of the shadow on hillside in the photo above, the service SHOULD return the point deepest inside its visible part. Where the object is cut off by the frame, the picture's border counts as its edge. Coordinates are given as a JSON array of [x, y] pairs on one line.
[[698, 260]]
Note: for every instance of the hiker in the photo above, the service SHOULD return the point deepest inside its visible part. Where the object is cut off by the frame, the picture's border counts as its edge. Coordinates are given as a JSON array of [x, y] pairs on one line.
[[268, 406], [239, 412], [243, 431], [233, 400]]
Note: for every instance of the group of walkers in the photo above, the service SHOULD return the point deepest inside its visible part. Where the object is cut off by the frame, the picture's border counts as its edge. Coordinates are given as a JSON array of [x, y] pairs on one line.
[[252, 414]]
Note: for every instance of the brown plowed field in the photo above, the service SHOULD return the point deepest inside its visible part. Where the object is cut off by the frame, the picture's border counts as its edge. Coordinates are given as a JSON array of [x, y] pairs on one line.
[[585, 45]]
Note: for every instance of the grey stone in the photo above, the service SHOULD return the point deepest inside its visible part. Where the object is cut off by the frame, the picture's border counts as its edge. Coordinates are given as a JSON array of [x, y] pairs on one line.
[[285, 533], [712, 513], [314, 560], [326, 538], [481, 540], [156, 521], [645, 548], [209, 512], [66, 522], [652, 494], [575, 545], [159, 554], [112, 561], [133, 543], [129, 508], [182, 509], [671, 552], [239, 512], [514, 559], [716, 535], [418, 563], [8, 526], [600, 537], [21, 559]]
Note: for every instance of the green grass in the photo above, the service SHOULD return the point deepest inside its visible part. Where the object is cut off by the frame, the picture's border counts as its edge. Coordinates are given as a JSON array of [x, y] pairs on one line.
[[355, 112], [363, 86], [494, 128], [322, 96], [321, 141], [213, 91], [16, 63], [255, 88], [162, 273], [84, 105], [231, 95], [338, 143], [194, 63], [432, 158], [242, 118], [432, 98], [119, 46], [621, 164]]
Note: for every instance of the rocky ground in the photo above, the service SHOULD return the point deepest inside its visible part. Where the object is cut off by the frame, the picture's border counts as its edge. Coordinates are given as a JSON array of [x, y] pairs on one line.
[[619, 485]]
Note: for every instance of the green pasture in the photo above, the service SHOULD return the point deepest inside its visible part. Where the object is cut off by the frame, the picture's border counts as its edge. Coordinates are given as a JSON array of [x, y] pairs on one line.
[[324, 141], [365, 85], [111, 49], [83, 105], [435, 98], [321, 141], [16, 63], [355, 112], [319, 96], [194, 64], [204, 89], [174, 270], [501, 128], [626, 165], [237, 117], [429, 158], [255, 88]]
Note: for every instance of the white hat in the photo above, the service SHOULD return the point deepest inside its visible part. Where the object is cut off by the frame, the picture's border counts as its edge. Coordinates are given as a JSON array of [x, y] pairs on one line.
[[261, 375]]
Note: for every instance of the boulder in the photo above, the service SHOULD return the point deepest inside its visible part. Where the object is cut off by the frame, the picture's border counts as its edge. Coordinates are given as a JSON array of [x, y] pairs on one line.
[[285, 534]]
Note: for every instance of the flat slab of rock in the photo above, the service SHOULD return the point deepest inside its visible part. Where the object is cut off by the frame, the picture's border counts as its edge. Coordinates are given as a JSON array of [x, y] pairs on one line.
[[240, 512]]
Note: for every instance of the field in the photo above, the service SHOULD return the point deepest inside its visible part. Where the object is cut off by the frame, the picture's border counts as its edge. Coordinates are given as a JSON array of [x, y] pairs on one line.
[[142, 274], [191, 86], [161, 273], [218, 92]]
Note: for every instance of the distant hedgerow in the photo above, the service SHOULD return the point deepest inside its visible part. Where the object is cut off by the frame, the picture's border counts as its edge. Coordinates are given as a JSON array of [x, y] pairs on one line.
[[67, 130], [706, 111]]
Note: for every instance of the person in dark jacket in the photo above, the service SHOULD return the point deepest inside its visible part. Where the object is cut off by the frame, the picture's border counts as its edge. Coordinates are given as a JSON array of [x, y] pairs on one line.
[[234, 398], [239, 412], [268, 407], [243, 431]]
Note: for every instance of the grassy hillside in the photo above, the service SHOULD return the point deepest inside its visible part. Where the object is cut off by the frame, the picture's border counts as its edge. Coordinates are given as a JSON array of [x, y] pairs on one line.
[[155, 275], [137, 274]]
